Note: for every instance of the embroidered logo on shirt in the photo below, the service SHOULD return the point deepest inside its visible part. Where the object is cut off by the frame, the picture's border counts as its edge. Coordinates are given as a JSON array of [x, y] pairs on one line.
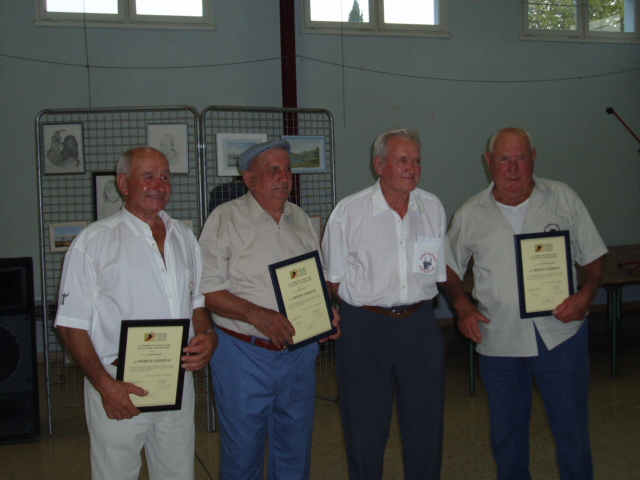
[[427, 262], [552, 227]]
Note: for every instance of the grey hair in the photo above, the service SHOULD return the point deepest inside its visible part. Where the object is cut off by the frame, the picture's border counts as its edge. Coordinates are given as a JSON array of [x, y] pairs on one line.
[[517, 131], [123, 165], [380, 145]]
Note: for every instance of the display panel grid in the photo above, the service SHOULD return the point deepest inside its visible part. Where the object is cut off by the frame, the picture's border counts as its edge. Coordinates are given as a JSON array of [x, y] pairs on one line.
[[107, 133], [313, 192], [69, 197]]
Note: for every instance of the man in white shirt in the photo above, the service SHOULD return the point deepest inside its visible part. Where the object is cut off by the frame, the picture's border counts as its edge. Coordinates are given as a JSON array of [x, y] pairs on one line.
[[514, 350], [137, 264], [262, 389], [384, 251]]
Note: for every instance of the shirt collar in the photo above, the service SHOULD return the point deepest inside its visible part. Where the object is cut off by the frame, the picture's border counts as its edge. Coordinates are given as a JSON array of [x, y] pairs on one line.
[[256, 210], [138, 225], [380, 204]]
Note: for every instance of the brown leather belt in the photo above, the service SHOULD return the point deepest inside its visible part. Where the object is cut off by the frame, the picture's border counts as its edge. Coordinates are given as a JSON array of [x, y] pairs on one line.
[[393, 312], [258, 342]]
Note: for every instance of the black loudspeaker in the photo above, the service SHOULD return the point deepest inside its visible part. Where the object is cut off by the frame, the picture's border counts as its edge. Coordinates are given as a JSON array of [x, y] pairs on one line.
[[19, 406]]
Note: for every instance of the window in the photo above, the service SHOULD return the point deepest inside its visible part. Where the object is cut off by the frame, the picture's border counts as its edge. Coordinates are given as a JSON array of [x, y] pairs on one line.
[[581, 20], [376, 17], [127, 13]]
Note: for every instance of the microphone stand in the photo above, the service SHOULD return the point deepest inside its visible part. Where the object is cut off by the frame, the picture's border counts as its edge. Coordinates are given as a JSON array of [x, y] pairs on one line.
[[610, 111]]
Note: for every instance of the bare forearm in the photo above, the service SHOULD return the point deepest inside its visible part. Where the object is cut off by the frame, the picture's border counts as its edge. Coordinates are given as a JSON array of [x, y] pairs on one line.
[[593, 276], [454, 290], [228, 305], [203, 344], [467, 314], [575, 307], [201, 320], [333, 291]]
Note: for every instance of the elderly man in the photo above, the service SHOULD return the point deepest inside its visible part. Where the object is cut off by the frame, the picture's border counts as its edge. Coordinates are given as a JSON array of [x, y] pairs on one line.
[[261, 389], [138, 264], [384, 251], [513, 350]]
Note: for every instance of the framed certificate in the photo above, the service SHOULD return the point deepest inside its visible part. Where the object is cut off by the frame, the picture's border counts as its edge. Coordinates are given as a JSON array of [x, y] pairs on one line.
[[149, 357], [303, 297], [545, 277]]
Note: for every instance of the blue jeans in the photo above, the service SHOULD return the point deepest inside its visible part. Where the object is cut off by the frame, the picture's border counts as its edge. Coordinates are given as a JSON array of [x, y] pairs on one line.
[[562, 377], [264, 394]]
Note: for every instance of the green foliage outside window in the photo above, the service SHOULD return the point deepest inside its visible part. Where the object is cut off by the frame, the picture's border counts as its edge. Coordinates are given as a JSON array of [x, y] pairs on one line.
[[355, 15], [604, 15]]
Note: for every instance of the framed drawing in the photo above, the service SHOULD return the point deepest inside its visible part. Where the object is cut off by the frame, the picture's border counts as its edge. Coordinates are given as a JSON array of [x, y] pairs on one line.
[[307, 153], [63, 148], [229, 146], [106, 196], [62, 234], [172, 140]]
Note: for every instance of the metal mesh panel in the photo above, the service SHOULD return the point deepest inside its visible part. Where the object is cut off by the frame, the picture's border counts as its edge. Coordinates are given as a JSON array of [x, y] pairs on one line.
[[313, 192], [64, 198], [107, 133]]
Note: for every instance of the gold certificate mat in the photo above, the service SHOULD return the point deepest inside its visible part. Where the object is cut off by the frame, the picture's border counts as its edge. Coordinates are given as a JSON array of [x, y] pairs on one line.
[[149, 357]]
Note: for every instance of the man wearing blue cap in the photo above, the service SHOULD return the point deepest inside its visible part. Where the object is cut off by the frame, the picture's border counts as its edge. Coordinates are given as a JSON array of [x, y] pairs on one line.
[[261, 388]]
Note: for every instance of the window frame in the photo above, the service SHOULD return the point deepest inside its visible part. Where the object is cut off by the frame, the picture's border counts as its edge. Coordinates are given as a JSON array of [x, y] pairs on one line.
[[582, 32], [125, 18], [376, 26]]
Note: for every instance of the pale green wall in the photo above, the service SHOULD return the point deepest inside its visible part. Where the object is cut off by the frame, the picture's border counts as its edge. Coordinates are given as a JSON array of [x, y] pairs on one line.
[[481, 80]]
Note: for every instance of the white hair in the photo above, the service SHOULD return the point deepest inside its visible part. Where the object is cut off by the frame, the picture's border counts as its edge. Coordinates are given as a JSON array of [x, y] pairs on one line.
[[380, 145]]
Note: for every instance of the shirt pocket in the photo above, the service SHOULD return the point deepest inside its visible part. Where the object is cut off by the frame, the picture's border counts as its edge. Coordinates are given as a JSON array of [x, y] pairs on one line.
[[425, 255]]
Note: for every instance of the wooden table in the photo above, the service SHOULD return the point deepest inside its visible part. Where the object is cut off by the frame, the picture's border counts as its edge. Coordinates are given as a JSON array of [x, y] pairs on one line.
[[615, 279]]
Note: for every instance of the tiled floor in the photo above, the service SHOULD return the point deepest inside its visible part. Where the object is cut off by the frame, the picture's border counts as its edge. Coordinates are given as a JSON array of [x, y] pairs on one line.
[[615, 427]]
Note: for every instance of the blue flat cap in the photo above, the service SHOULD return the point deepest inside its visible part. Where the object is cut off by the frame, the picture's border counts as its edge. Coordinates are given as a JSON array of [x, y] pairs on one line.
[[249, 155]]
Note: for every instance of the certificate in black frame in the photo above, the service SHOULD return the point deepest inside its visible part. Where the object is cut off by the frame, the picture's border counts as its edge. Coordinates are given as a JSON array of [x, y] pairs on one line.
[[525, 310], [282, 307], [125, 327]]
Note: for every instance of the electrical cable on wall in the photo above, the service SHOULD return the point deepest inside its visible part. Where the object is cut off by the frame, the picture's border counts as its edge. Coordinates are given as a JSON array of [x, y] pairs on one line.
[[341, 65]]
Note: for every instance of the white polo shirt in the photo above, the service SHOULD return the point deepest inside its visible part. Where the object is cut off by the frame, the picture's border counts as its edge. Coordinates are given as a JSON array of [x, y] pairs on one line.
[[113, 271], [381, 259], [480, 229]]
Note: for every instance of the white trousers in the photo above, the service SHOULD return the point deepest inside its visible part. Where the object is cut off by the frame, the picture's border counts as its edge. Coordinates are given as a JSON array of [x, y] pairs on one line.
[[167, 437]]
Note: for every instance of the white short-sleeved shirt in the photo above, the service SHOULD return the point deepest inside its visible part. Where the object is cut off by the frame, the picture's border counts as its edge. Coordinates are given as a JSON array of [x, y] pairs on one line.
[[113, 271], [239, 241], [381, 259], [481, 230]]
